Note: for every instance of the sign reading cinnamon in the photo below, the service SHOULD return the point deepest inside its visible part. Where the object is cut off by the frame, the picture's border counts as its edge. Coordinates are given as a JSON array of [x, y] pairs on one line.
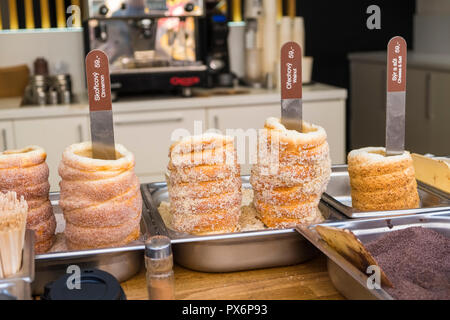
[[98, 81]]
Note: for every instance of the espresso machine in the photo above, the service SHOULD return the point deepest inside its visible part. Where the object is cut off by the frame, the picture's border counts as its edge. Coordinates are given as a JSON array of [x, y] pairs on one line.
[[152, 45]]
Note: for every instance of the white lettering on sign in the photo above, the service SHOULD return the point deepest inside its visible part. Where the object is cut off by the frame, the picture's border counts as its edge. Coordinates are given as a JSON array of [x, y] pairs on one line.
[[97, 62], [291, 73], [99, 85], [103, 86], [96, 86], [397, 66]]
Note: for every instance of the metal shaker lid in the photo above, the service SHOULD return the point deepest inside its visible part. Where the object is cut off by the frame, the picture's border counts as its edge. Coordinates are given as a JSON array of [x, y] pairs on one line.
[[158, 247]]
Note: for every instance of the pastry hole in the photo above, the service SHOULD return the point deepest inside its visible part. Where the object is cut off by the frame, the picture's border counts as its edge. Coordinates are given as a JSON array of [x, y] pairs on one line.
[[87, 153], [25, 150], [380, 152]]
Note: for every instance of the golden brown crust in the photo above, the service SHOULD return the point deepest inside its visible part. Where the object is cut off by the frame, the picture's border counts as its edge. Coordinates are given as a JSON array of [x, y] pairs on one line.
[[203, 189], [100, 199], [29, 156], [134, 235], [203, 172], [289, 179], [45, 229], [25, 172], [200, 206], [43, 246], [219, 221], [204, 184], [272, 221], [382, 183], [98, 237]]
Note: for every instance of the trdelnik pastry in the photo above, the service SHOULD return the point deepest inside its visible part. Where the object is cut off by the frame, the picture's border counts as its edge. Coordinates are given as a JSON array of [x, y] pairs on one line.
[[382, 183], [292, 172], [100, 199], [25, 172], [204, 184]]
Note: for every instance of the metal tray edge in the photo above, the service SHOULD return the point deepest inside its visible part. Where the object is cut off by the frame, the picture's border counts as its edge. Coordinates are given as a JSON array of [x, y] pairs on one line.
[[352, 213]]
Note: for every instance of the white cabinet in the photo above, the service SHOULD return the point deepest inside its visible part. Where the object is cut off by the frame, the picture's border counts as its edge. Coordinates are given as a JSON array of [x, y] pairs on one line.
[[6, 135], [149, 134], [242, 117], [54, 135], [328, 114]]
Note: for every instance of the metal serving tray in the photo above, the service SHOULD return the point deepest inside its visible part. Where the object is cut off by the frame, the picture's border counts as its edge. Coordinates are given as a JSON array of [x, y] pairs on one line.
[[232, 251], [121, 262], [338, 196], [349, 280]]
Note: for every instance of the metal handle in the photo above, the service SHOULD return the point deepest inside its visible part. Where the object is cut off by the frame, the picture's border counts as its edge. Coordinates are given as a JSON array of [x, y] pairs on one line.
[[80, 133], [5, 140], [216, 122], [149, 121], [428, 113]]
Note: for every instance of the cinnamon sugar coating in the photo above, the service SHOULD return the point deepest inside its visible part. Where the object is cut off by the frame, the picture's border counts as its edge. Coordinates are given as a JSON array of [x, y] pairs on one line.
[[291, 174], [204, 184], [26, 172], [100, 199], [382, 183]]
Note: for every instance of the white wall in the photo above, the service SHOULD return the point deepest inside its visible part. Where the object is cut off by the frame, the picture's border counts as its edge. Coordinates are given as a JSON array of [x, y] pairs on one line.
[[19, 47]]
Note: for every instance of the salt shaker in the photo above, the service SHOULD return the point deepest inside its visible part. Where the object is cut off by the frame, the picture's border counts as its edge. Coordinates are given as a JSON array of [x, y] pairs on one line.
[[159, 265]]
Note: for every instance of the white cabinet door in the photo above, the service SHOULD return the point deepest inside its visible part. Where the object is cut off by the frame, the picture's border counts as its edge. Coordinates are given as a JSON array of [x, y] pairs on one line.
[[54, 135], [328, 114], [148, 136], [6, 135], [331, 116], [243, 117]]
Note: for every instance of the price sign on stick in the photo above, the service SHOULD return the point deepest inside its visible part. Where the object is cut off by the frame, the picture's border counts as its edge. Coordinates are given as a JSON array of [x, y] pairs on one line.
[[291, 86], [100, 106], [396, 96]]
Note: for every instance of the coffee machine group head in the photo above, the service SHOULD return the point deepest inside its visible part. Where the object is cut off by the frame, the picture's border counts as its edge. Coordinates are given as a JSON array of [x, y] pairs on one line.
[[152, 45]]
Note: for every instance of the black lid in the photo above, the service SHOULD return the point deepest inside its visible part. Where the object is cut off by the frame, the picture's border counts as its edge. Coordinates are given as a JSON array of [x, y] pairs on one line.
[[94, 285]]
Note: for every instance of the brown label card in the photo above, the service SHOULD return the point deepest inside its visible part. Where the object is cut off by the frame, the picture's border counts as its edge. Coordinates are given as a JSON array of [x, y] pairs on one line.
[[396, 64], [291, 71], [98, 81]]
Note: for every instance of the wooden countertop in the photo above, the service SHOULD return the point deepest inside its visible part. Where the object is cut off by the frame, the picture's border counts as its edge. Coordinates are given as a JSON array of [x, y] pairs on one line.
[[304, 281]]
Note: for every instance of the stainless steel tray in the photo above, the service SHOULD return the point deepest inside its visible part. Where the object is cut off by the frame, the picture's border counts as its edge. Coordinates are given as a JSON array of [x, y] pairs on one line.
[[121, 262], [349, 280], [232, 251], [338, 196], [18, 286]]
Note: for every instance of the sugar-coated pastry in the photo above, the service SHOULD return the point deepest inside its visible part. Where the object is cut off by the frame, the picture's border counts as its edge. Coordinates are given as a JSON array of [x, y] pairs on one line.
[[382, 183], [292, 172], [100, 199], [26, 172], [204, 184]]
